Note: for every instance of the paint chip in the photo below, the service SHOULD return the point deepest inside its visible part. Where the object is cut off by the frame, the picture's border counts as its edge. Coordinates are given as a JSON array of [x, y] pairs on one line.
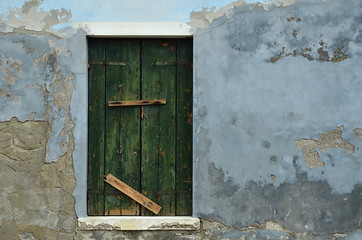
[[272, 177], [358, 132], [328, 140]]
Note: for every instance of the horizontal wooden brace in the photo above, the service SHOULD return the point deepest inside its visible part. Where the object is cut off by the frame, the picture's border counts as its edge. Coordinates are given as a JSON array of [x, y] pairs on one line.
[[130, 192], [136, 103], [171, 63], [107, 63]]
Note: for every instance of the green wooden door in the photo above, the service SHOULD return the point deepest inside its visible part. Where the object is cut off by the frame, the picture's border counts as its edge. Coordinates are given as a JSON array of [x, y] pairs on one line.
[[147, 147]]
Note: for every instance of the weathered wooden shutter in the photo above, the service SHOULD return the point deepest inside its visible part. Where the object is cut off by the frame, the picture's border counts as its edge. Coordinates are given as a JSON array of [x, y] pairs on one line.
[[147, 147]]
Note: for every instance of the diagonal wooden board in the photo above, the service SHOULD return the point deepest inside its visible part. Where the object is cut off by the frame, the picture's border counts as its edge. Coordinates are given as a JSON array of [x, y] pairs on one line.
[[130, 192]]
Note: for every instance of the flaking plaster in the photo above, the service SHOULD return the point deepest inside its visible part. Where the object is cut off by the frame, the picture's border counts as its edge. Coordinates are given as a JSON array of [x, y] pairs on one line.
[[328, 140], [265, 76]]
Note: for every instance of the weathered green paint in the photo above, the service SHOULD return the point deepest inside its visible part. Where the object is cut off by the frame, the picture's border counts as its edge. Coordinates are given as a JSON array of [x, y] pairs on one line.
[[184, 129], [150, 122], [112, 121], [96, 116], [149, 147], [167, 129], [130, 123]]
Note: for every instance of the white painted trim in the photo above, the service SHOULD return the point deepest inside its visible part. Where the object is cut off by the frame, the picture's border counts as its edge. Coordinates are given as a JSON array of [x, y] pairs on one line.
[[135, 29], [139, 223], [117, 30]]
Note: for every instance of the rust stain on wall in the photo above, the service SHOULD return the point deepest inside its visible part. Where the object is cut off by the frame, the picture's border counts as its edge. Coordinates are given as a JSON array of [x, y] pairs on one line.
[[328, 140]]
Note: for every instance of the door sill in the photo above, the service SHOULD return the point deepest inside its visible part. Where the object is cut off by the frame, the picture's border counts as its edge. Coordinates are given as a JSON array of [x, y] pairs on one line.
[[131, 223]]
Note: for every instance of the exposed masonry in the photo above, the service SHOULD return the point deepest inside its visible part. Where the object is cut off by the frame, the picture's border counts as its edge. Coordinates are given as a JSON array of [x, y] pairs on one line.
[[36, 198], [39, 65], [32, 19], [204, 18], [299, 206], [11, 70], [358, 132], [266, 75], [272, 104], [323, 55], [61, 88], [317, 50], [294, 40], [217, 230], [131, 223], [328, 140]]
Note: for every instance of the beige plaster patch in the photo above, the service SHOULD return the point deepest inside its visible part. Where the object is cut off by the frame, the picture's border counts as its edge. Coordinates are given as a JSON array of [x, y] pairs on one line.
[[36, 197], [5, 93], [33, 19], [204, 18], [272, 177], [61, 89], [11, 69], [358, 132], [328, 140]]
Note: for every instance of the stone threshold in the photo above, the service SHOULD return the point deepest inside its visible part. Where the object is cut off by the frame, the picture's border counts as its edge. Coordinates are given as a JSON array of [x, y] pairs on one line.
[[132, 223]]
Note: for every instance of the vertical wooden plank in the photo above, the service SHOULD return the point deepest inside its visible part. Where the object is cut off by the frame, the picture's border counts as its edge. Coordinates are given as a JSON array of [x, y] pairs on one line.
[[166, 136], [184, 129], [112, 123], [167, 130], [130, 123], [150, 121], [96, 128]]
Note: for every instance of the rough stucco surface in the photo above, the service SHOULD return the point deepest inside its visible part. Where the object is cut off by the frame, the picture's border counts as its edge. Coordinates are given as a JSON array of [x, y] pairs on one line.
[[271, 86], [215, 230], [36, 72], [328, 140], [277, 123], [36, 199], [36, 84]]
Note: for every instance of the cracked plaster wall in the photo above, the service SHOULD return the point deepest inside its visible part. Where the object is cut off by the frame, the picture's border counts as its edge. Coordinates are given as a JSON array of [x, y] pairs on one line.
[[36, 199], [274, 83], [37, 77], [38, 68], [277, 116]]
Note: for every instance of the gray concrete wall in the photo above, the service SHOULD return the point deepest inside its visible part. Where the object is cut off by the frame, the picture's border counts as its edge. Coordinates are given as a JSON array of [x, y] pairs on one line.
[[277, 123]]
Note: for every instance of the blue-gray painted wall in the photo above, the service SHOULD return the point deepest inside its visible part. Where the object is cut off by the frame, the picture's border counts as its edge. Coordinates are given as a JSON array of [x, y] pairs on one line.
[[264, 79], [277, 116]]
